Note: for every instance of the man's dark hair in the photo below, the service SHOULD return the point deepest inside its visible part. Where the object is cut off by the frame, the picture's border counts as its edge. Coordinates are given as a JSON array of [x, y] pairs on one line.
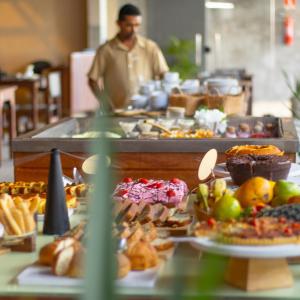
[[128, 10]]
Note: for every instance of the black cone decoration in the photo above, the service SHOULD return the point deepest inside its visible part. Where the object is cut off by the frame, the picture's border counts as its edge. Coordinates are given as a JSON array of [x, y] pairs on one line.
[[56, 219]]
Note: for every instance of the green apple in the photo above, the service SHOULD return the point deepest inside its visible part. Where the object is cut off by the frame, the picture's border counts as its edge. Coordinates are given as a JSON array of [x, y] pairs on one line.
[[227, 208], [283, 190]]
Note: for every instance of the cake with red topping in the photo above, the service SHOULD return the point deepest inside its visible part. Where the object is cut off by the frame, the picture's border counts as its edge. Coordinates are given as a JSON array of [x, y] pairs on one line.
[[171, 193]]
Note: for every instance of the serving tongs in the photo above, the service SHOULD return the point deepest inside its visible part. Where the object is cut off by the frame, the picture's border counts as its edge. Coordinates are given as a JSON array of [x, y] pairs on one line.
[[158, 126]]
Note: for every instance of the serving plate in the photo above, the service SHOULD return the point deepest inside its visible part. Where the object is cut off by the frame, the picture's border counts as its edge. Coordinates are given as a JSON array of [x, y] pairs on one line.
[[272, 251], [35, 275]]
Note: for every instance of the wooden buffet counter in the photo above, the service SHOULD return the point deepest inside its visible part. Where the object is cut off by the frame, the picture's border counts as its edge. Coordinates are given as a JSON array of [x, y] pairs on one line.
[[150, 158]]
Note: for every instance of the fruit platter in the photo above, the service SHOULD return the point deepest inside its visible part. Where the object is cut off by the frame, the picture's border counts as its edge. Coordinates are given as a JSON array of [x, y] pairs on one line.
[[254, 220]]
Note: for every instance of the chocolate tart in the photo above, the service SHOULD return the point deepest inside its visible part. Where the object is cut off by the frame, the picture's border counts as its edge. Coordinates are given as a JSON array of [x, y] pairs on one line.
[[271, 167]]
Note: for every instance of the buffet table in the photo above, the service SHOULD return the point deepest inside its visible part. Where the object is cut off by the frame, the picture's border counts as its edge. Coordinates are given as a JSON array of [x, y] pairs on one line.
[[186, 258], [135, 157]]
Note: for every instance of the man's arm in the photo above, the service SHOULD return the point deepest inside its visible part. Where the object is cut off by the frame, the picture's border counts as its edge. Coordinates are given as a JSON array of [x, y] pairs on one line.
[[95, 74], [95, 88], [160, 66]]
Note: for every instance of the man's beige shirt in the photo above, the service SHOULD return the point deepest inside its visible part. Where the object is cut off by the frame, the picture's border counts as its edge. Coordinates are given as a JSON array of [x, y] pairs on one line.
[[123, 70]]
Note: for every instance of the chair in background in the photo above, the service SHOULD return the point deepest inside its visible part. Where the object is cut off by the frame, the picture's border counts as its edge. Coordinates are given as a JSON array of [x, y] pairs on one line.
[[50, 99], [53, 93]]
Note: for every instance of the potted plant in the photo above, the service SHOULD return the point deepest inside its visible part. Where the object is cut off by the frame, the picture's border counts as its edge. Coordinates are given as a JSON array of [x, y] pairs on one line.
[[294, 87], [180, 54]]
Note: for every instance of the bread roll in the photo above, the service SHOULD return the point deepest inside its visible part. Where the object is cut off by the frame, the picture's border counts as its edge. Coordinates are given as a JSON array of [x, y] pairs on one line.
[[142, 255], [123, 265], [76, 268], [62, 261], [49, 251]]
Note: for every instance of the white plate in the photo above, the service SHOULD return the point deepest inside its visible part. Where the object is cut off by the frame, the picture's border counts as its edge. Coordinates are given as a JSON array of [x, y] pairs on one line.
[[139, 279], [41, 275], [276, 251], [221, 170], [40, 217]]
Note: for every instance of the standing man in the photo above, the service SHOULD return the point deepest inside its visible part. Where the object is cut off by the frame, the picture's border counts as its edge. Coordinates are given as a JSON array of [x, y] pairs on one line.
[[123, 63]]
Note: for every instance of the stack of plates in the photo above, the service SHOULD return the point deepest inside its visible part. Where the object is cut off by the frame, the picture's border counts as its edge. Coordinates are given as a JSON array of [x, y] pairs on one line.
[[222, 86]]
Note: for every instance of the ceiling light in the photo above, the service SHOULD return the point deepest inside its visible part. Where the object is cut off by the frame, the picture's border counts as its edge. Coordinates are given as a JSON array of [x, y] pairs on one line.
[[219, 5]]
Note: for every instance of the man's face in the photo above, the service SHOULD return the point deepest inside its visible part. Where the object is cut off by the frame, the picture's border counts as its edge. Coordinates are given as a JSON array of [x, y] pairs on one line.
[[129, 26]]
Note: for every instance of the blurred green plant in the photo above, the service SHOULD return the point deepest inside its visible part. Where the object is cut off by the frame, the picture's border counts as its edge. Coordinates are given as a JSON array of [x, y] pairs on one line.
[[293, 85], [180, 54], [100, 261]]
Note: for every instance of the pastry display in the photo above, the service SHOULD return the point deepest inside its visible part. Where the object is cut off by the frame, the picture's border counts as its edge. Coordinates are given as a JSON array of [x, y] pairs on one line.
[[207, 228], [36, 192], [189, 134], [123, 265], [49, 251], [272, 167], [158, 214], [252, 231], [17, 216], [253, 149], [243, 131], [261, 231], [142, 255], [144, 246], [40, 187], [71, 201], [230, 132], [172, 193], [78, 190], [64, 256], [21, 187]]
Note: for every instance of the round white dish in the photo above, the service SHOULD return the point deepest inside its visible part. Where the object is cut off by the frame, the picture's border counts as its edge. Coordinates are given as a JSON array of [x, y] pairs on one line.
[[171, 77], [139, 101], [276, 251]]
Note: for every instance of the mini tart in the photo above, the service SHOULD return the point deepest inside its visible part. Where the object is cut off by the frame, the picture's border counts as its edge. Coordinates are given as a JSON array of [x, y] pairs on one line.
[[261, 231], [257, 241], [207, 229], [253, 149]]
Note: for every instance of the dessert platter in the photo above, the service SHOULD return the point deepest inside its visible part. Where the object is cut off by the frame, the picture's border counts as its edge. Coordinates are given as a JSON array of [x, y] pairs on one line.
[[60, 263], [244, 162], [203, 126], [257, 246], [256, 225], [162, 202]]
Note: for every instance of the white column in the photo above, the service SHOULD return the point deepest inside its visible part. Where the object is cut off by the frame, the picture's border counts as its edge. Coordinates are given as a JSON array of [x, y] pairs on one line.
[[103, 11], [97, 22]]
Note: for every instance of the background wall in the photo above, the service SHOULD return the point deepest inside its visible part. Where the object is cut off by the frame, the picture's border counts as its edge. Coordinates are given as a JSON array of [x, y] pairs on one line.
[[246, 42], [168, 18], [40, 29]]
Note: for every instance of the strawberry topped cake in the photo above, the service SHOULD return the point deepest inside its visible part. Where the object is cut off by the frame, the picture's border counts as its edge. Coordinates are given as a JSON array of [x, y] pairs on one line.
[[171, 193]]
